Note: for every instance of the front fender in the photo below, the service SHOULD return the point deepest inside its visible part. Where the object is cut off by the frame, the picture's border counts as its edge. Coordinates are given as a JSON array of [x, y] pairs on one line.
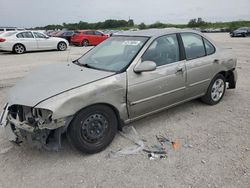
[[111, 90]]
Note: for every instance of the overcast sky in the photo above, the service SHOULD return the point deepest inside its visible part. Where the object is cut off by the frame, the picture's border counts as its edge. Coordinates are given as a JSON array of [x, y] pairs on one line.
[[30, 13]]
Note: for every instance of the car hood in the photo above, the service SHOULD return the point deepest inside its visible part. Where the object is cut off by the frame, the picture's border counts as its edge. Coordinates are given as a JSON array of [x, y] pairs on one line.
[[52, 80]]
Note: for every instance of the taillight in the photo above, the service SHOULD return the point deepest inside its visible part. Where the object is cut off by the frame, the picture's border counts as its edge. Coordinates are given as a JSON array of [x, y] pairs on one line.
[[2, 40]]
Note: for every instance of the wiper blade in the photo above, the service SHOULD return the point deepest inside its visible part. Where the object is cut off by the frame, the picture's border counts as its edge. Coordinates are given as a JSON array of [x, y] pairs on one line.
[[76, 62], [81, 64]]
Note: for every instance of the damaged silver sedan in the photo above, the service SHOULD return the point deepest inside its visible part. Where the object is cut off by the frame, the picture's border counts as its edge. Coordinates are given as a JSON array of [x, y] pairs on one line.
[[129, 76]]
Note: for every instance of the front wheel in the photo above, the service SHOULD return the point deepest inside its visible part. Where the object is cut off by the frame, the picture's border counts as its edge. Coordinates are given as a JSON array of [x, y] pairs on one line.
[[85, 43], [62, 46], [93, 129], [216, 90]]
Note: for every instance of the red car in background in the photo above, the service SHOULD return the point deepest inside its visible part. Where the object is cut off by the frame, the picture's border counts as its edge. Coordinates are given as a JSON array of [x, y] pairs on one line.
[[87, 38]]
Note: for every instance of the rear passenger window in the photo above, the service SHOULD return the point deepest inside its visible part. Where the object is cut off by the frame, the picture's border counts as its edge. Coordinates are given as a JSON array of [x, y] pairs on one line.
[[25, 35], [209, 47], [193, 45], [164, 50]]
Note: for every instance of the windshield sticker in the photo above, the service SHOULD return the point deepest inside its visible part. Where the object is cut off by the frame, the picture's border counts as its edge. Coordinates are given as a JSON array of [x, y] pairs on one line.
[[131, 42]]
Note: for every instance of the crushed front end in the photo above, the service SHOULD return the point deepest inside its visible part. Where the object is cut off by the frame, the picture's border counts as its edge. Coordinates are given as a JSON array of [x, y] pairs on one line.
[[33, 125]]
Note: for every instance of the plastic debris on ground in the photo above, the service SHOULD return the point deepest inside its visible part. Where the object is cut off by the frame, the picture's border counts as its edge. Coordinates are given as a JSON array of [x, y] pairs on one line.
[[131, 134], [157, 151]]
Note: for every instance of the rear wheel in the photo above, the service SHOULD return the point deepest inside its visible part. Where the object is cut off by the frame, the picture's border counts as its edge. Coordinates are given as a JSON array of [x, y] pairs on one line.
[[93, 129], [215, 91], [85, 42], [19, 49], [62, 46]]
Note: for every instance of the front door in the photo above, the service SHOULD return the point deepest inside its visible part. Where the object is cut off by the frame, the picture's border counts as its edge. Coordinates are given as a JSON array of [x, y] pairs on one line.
[[152, 91], [44, 42]]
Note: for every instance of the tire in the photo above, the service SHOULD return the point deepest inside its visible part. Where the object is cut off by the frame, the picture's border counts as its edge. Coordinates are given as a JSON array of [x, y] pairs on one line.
[[18, 49], [62, 46], [216, 90], [93, 129], [85, 43]]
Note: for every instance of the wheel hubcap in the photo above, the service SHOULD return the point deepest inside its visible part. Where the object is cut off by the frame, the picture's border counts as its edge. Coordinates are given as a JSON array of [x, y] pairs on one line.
[[62, 46], [217, 90], [19, 49], [85, 43], [94, 127]]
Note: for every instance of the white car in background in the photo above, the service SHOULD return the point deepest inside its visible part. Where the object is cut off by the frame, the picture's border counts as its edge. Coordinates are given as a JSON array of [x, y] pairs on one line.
[[23, 41]]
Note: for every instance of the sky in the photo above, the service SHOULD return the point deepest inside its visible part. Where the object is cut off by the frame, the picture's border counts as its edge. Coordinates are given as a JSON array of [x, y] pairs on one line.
[[31, 13]]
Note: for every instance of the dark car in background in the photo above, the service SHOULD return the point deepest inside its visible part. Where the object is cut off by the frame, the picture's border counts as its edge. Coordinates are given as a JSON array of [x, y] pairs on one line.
[[88, 38], [66, 35], [241, 32]]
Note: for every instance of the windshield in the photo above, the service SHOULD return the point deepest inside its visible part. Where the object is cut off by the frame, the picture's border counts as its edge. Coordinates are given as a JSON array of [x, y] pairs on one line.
[[114, 54]]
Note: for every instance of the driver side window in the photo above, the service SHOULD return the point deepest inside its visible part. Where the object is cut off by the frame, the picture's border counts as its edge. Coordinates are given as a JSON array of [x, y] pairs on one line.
[[164, 50], [39, 35]]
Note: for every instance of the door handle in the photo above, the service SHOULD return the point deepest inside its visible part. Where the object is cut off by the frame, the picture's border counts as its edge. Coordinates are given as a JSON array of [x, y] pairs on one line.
[[216, 61], [179, 69]]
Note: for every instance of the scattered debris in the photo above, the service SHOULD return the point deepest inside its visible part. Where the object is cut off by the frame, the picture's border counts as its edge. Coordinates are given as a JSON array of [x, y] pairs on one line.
[[131, 134], [158, 151]]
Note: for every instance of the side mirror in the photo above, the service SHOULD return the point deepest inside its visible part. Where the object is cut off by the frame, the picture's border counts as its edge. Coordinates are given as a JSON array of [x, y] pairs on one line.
[[145, 66], [47, 37]]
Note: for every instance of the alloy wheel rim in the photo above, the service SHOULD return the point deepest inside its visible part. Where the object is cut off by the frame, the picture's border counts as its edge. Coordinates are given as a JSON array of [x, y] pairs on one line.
[[85, 43], [19, 49], [62, 46], [217, 90]]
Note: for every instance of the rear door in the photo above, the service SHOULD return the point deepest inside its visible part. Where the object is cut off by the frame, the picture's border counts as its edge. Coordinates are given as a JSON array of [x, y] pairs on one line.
[[151, 91], [199, 66], [27, 38]]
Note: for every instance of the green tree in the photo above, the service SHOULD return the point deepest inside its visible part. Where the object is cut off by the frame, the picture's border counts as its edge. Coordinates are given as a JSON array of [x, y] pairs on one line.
[[142, 26]]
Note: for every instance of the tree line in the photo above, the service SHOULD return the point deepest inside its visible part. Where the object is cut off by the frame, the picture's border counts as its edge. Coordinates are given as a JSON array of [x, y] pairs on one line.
[[127, 24]]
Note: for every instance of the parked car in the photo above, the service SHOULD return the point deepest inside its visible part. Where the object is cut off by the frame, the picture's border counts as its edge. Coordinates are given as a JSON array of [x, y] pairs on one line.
[[23, 41], [241, 32], [4, 29], [125, 78], [66, 35], [53, 33], [88, 38]]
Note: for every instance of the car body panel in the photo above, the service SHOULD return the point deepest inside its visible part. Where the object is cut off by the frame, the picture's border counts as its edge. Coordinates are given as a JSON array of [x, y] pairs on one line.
[[166, 84], [44, 83]]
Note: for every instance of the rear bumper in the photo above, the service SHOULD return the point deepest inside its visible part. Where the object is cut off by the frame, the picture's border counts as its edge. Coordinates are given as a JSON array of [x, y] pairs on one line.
[[5, 48]]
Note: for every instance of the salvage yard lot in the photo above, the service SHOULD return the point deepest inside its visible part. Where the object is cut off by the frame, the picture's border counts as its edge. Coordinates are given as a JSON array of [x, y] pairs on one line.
[[213, 141]]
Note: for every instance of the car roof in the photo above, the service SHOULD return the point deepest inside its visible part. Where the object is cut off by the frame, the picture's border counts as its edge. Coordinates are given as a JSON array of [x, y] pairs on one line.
[[154, 32], [85, 30]]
